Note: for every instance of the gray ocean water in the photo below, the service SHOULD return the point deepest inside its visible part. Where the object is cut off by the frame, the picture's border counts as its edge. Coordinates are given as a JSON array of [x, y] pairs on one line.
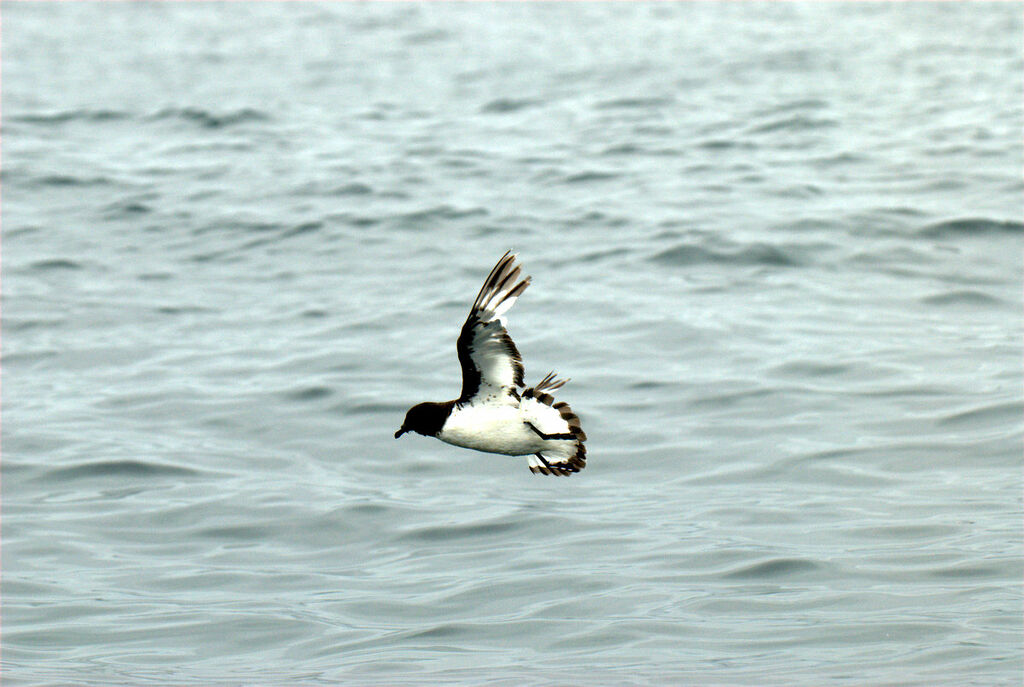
[[777, 248]]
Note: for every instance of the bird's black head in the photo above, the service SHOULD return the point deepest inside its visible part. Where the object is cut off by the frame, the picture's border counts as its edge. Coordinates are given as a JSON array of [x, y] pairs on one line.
[[426, 419]]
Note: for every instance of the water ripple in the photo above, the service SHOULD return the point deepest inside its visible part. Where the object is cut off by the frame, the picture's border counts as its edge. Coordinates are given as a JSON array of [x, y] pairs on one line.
[[962, 297], [775, 568], [507, 105], [99, 116], [1008, 414], [751, 254], [117, 468], [210, 119], [971, 227]]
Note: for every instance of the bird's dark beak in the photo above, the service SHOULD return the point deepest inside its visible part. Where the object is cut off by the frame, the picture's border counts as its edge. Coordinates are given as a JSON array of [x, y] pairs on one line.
[[400, 432]]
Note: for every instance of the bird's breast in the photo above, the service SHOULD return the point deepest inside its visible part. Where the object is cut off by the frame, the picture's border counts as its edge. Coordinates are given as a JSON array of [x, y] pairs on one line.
[[491, 428]]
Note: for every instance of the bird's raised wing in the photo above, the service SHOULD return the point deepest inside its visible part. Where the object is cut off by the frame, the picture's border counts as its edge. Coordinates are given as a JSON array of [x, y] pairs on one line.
[[486, 352]]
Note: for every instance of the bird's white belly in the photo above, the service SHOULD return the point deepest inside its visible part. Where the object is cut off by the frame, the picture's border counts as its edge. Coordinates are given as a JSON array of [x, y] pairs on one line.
[[495, 429]]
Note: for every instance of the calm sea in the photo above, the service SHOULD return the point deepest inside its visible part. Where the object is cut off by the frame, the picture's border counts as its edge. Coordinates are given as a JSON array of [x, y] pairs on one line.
[[776, 246]]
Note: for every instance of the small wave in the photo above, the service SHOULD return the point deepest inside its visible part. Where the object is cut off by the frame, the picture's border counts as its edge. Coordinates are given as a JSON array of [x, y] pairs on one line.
[[725, 144], [126, 208], [448, 632], [596, 217], [19, 325], [970, 227], [63, 116], [56, 264], [944, 185], [838, 160], [797, 123], [601, 255], [18, 232], [650, 384], [373, 408], [453, 532], [182, 310], [118, 468], [365, 510], [991, 571], [352, 189], [896, 532], [806, 224], [634, 103], [353, 220], [968, 297], [590, 176], [156, 276], [304, 228], [241, 226], [729, 399], [900, 211], [235, 533], [754, 254], [654, 130], [428, 36], [799, 191], [419, 218], [71, 180], [1007, 414], [505, 105], [314, 313], [212, 120], [778, 567], [800, 105], [312, 393], [266, 233], [806, 368], [649, 151], [623, 149]]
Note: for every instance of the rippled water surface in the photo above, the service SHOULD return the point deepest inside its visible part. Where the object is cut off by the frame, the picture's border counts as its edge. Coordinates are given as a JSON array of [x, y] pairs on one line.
[[777, 248]]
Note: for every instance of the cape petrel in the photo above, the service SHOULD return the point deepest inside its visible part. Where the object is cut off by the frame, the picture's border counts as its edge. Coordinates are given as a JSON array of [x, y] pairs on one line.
[[493, 414]]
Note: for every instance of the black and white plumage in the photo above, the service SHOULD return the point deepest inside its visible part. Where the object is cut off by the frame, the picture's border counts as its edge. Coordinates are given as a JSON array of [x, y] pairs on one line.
[[492, 413]]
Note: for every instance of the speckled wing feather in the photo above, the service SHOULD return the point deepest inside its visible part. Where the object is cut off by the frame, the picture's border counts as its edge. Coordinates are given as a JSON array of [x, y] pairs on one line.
[[565, 453], [487, 354]]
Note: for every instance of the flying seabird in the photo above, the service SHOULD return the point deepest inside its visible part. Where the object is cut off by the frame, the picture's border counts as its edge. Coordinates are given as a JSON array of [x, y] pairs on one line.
[[494, 413]]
